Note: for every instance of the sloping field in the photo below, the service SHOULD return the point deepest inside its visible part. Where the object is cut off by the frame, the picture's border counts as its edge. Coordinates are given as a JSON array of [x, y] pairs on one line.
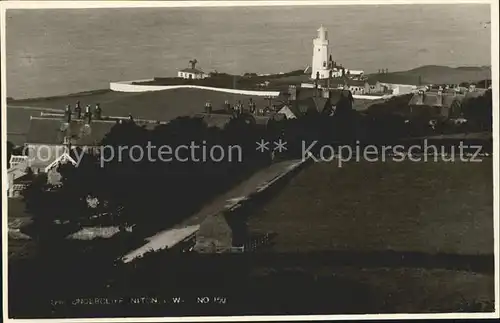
[[436, 74], [433, 207], [401, 237], [158, 105]]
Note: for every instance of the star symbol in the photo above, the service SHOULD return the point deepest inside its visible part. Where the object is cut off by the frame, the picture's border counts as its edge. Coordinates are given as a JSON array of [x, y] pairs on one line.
[[280, 145], [262, 145]]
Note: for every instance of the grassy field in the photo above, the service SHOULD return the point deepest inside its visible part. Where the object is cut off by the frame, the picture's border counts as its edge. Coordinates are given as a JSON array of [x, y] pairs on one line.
[[412, 207], [436, 74], [390, 232]]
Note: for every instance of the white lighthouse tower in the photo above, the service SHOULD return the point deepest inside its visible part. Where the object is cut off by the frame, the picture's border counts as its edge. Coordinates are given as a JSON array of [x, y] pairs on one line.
[[320, 55]]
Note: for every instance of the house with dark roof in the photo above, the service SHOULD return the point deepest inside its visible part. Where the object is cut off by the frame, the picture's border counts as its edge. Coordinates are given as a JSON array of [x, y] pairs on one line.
[[438, 105], [303, 100], [50, 139]]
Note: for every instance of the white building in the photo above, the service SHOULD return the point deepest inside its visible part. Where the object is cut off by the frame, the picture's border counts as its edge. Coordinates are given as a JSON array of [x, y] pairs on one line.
[[320, 55], [398, 89], [192, 73], [322, 63]]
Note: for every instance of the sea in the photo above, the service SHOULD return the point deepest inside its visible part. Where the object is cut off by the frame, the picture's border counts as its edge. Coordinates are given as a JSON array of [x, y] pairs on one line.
[[60, 51]]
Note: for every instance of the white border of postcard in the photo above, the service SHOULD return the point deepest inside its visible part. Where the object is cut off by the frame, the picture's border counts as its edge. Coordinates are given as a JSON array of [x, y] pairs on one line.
[[188, 4]]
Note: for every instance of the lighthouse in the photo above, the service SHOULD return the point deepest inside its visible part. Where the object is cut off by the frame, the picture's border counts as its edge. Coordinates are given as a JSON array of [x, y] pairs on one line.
[[320, 55]]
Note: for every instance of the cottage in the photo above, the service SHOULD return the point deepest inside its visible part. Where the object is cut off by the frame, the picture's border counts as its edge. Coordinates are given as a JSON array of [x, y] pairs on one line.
[[192, 73]]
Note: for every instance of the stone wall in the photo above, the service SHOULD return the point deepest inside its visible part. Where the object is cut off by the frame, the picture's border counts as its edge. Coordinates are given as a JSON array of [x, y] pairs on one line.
[[128, 86]]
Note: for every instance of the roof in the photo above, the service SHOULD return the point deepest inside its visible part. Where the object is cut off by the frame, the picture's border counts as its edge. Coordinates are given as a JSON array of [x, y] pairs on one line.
[[431, 99], [395, 78], [312, 104], [192, 70], [61, 159], [218, 120], [449, 99], [52, 131], [310, 99], [287, 112], [18, 159], [17, 171], [474, 94], [372, 81], [25, 178], [355, 82]]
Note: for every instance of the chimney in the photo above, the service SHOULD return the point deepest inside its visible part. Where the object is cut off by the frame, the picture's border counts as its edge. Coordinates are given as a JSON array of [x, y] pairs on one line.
[[78, 111], [97, 112], [67, 113], [88, 114], [420, 98]]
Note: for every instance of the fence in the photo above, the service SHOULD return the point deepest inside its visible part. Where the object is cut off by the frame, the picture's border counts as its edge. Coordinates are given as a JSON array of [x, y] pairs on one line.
[[128, 86]]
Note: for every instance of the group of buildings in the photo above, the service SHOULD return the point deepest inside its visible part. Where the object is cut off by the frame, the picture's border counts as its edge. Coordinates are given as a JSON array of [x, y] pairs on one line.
[[329, 84]]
